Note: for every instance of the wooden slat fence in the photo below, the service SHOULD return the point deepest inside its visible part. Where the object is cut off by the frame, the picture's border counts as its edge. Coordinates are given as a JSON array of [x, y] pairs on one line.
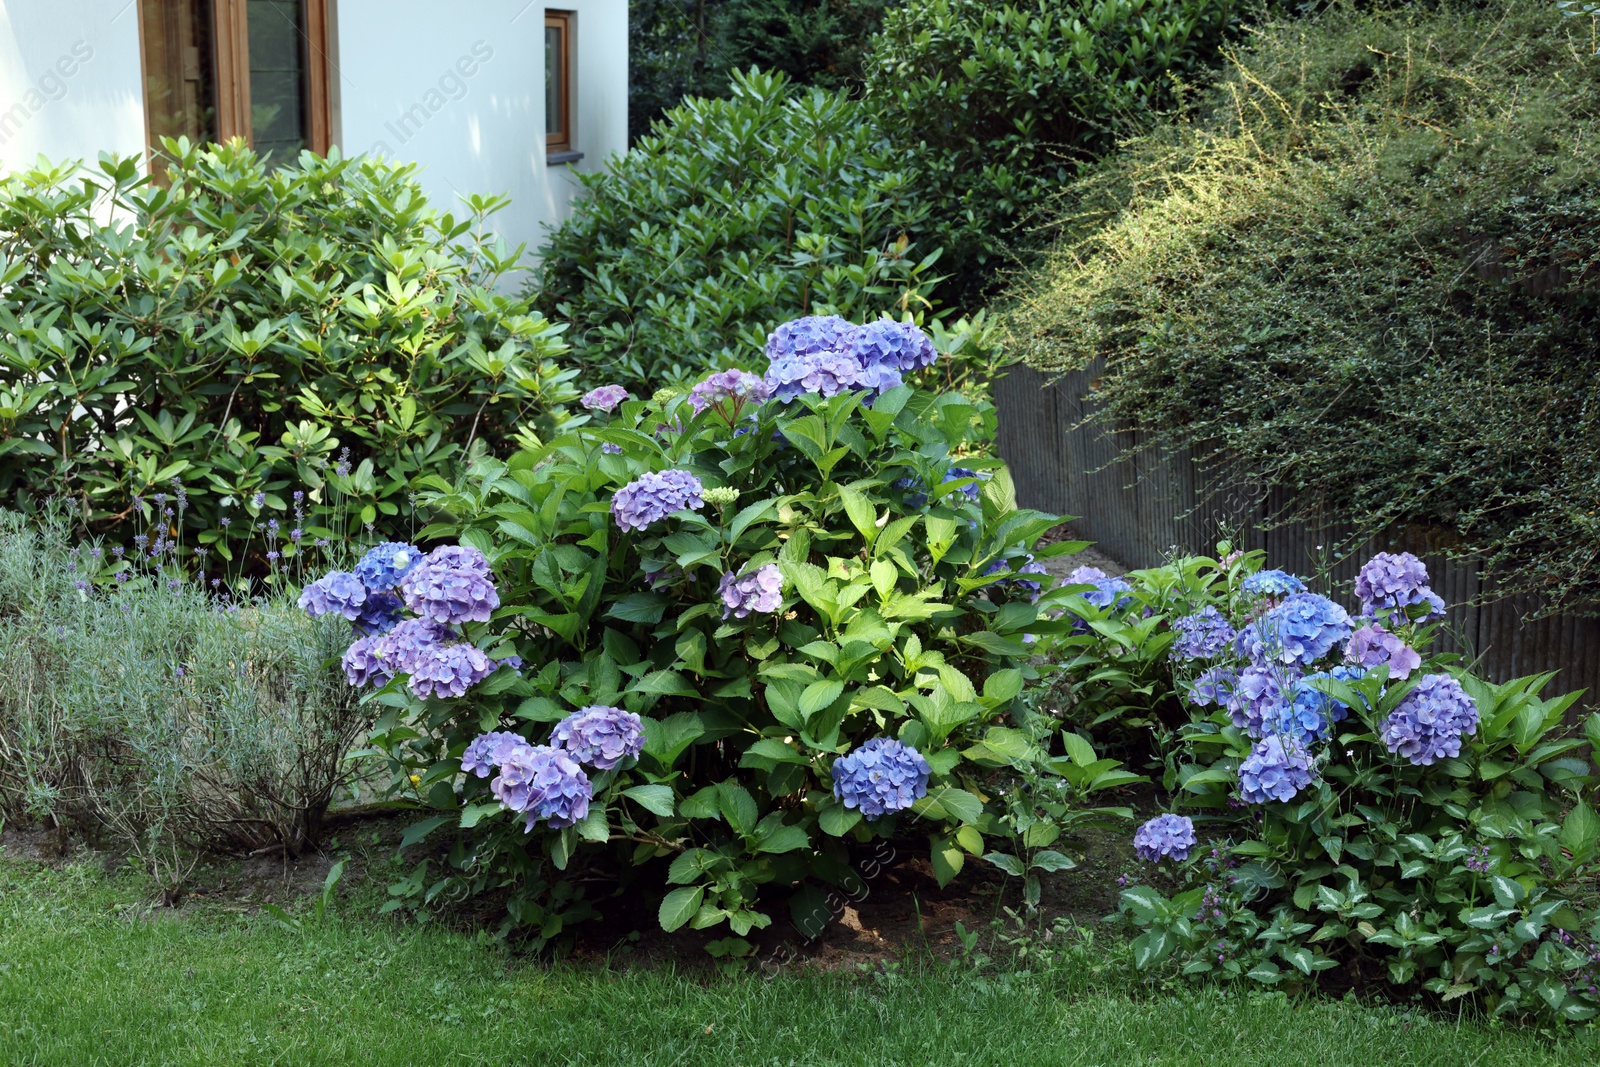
[[1138, 510]]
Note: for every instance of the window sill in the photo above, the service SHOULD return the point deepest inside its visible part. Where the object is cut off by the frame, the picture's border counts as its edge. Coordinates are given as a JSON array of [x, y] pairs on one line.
[[555, 158]]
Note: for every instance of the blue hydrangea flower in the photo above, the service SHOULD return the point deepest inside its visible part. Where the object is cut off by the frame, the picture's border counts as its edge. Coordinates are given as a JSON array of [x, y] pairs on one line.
[[652, 497], [1310, 715], [1259, 696], [1390, 580], [335, 593], [449, 670], [1215, 686], [734, 386], [811, 355], [487, 751], [363, 666], [1301, 630], [1204, 635], [600, 736], [761, 590], [880, 777], [1373, 646], [970, 490], [384, 565], [451, 585], [604, 398], [1431, 721], [1165, 837], [379, 614], [1106, 589], [544, 783], [1276, 769], [1028, 586], [1272, 583], [877, 379], [887, 343]]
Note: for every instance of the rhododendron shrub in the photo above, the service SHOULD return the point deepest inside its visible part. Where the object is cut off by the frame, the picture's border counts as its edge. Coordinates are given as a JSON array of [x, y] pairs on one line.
[[760, 622], [1360, 800]]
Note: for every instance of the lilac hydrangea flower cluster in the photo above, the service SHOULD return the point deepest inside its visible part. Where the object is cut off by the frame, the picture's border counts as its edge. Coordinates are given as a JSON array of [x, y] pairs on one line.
[[1028, 586], [605, 398], [450, 670], [1204, 635], [761, 590], [1259, 691], [1276, 769], [362, 664], [379, 614], [880, 777], [1373, 646], [543, 782], [1311, 714], [653, 496], [487, 751], [1300, 630], [335, 593], [600, 736], [734, 386], [1165, 837], [826, 355], [451, 585], [1390, 580], [1431, 721], [1215, 686], [1272, 584]]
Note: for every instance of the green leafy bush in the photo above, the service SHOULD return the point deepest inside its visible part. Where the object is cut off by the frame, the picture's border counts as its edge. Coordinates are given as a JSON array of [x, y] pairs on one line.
[[1366, 275], [241, 329], [135, 707], [737, 215], [997, 106], [894, 607], [1452, 866]]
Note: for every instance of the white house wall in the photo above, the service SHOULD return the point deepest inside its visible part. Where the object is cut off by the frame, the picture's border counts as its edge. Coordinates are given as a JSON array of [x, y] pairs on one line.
[[70, 84], [459, 89], [455, 87]]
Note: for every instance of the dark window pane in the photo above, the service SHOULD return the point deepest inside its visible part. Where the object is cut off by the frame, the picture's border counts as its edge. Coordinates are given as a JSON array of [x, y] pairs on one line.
[[277, 78], [555, 80], [178, 74]]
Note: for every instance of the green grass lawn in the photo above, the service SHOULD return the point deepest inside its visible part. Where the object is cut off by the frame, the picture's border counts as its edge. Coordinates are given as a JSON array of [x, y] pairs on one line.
[[90, 975]]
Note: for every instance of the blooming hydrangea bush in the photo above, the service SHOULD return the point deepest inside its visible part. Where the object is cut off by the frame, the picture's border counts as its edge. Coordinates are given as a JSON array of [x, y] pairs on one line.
[[754, 638], [1366, 797]]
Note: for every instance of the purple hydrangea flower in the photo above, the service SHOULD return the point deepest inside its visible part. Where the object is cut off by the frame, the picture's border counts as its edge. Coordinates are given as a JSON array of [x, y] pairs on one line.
[[1204, 635], [1272, 584], [335, 593], [812, 355], [543, 783], [1029, 566], [761, 590], [378, 615], [1165, 836], [1276, 769], [733, 385], [1215, 686], [410, 642], [652, 497], [1431, 721], [900, 346], [609, 449], [605, 398], [600, 736], [970, 490], [363, 666], [451, 585], [1391, 580], [1300, 630], [881, 776], [384, 565], [1373, 646], [448, 670], [487, 751]]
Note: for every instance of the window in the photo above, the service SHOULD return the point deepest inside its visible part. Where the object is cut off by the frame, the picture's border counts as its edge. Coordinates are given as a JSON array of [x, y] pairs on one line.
[[218, 69], [558, 87]]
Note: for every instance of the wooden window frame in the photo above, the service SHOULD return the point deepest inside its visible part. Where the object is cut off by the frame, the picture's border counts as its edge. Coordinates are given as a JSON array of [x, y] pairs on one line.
[[231, 69], [562, 142]]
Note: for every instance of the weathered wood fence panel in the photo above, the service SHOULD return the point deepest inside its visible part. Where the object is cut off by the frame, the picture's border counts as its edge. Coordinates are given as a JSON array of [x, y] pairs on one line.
[[1139, 510]]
